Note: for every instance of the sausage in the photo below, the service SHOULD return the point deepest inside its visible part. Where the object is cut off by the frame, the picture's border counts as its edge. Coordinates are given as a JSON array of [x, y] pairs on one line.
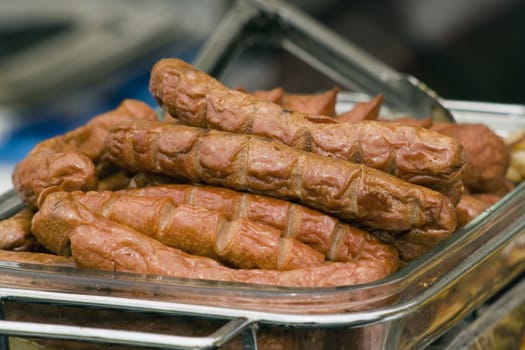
[[101, 247], [100, 243], [68, 162], [472, 205], [36, 258], [201, 231], [415, 154], [316, 104], [15, 232], [488, 156], [411, 245], [246, 162], [322, 103], [114, 181], [368, 110], [274, 95], [336, 240]]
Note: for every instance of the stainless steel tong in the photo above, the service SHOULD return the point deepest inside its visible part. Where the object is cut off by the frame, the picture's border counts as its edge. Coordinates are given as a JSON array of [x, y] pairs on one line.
[[250, 22]]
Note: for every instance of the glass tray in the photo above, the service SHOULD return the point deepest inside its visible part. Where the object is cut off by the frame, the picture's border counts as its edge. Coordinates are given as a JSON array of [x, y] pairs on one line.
[[406, 310]]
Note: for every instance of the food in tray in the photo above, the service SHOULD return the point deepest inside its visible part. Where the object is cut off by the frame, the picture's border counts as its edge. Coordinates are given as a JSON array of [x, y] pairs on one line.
[[75, 160], [488, 160], [97, 242], [416, 155], [322, 104], [332, 238], [16, 232], [248, 163], [304, 197], [516, 142], [36, 258]]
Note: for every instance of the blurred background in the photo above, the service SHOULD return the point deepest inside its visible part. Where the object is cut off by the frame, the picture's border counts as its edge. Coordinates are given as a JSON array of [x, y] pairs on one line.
[[63, 62]]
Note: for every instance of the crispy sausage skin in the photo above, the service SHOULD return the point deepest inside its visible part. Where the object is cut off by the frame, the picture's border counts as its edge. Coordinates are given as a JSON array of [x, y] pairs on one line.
[[99, 243], [412, 153], [68, 162], [336, 240], [246, 162]]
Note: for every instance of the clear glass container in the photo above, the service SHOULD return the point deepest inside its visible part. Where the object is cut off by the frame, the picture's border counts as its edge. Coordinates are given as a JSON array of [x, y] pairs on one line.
[[408, 309]]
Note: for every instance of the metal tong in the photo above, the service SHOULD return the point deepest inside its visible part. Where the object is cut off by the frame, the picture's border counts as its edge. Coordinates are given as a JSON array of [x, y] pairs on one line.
[[274, 22]]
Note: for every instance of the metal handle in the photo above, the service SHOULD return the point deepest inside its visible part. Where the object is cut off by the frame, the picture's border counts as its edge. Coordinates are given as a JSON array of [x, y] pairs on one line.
[[132, 338], [239, 325], [251, 21]]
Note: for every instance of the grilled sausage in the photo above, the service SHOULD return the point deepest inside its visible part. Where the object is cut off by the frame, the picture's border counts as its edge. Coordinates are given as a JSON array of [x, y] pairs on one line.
[[472, 205], [36, 258], [336, 240], [68, 162], [246, 162], [15, 232], [488, 157], [412, 153], [200, 231], [316, 104], [99, 243], [368, 110]]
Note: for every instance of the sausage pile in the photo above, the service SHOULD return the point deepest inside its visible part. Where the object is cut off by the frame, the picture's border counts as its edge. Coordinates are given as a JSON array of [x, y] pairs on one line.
[[267, 187]]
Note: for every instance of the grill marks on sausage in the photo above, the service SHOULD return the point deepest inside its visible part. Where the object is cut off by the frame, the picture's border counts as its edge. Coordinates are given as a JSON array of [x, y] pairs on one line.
[[198, 230], [246, 162], [325, 234], [412, 153], [100, 243]]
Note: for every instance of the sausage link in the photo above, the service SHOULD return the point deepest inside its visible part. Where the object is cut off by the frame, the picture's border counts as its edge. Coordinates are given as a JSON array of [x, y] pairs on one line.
[[67, 162], [39, 258], [15, 232], [246, 162], [100, 243], [487, 153], [196, 230], [338, 241], [415, 154]]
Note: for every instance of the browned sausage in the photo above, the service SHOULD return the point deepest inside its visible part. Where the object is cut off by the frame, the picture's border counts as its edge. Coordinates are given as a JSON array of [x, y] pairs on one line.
[[368, 110], [412, 153], [488, 157], [274, 95], [472, 205], [100, 243], [67, 162], [322, 103], [197, 230], [15, 232], [338, 241], [246, 162], [36, 258], [114, 181]]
